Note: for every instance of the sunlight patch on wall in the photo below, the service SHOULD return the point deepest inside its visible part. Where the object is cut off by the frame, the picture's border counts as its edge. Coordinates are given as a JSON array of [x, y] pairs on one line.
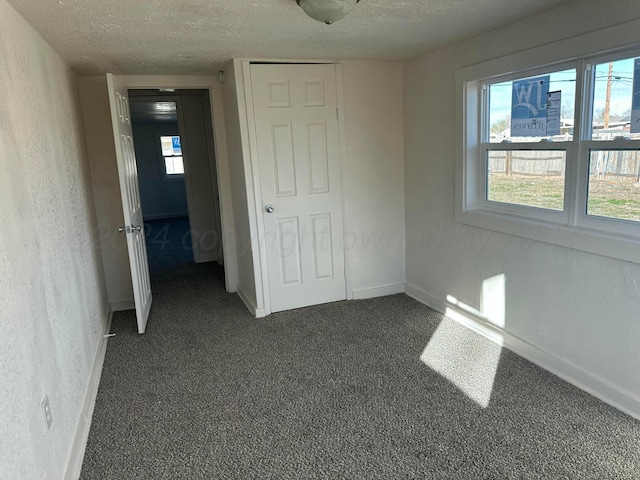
[[465, 358], [493, 300]]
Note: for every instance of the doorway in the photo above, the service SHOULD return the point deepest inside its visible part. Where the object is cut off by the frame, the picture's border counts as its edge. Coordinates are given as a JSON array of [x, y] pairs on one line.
[[130, 227], [177, 177], [161, 178]]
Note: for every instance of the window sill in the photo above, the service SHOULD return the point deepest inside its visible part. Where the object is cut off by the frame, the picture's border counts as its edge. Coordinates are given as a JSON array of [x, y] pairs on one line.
[[172, 178], [618, 246]]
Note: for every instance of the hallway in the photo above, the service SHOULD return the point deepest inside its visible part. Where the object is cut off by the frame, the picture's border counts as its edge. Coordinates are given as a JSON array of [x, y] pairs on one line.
[[168, 244]]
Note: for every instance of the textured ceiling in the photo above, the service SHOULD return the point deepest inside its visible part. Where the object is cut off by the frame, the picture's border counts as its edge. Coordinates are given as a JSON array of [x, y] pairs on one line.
[[197, 36], [152, 111]]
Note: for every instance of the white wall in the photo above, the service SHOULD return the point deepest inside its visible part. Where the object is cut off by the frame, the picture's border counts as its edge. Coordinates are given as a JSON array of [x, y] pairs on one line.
[[374, 180], [246, 280], [578, 310], [53, 309]]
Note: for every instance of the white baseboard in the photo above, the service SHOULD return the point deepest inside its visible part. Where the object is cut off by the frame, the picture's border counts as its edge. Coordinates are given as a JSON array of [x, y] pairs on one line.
[[76, 455], [251, 306], [120, 305], [382, 291], [564, 369]]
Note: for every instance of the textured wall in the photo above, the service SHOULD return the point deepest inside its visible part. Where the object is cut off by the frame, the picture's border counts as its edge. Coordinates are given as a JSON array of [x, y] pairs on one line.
[[578, 306], [52, 301]]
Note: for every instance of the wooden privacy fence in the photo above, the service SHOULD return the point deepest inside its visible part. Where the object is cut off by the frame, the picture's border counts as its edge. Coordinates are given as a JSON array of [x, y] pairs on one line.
[[616, 165], [621, 165], [530, 162]]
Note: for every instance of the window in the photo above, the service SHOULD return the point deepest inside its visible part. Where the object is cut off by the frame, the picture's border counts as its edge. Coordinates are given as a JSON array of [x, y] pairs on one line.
[[613, 189], [550, 145], [173, 164], [530, 129]]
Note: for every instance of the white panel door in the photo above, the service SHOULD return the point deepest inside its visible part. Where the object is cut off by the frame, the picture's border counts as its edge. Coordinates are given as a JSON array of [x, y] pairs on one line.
[[128, 173], [295, 112]]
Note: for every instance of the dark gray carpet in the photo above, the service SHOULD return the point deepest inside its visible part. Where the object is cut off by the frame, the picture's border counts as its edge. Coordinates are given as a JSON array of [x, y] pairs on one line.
[[336, 391], [168, 244]]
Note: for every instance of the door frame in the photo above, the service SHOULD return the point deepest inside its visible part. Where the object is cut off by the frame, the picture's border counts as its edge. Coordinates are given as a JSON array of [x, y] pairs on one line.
[[210, 83], [252, 176]]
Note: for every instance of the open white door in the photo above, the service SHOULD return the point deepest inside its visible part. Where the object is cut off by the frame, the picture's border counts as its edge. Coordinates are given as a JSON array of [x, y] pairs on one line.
[[295, 109], [128, 173]]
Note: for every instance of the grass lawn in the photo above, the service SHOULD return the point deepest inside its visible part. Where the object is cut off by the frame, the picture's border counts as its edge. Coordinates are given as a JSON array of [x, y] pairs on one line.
[[606, 198]]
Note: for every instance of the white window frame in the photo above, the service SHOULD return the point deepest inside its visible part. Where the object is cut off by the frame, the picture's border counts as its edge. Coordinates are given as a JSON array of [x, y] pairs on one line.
[[571, 227]]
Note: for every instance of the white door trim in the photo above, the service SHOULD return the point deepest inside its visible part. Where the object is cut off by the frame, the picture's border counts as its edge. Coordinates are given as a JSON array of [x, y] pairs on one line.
[[212, 84], [252, 176], [254, 198], [345, 185]]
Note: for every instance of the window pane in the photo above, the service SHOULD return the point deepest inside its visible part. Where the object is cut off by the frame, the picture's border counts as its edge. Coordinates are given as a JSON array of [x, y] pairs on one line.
[[176, 145], [167, 146], [171, 145], [168, 163], [613, 100], [525, 177], [533, 108], [178, 166], [174, 165], [614, 188]]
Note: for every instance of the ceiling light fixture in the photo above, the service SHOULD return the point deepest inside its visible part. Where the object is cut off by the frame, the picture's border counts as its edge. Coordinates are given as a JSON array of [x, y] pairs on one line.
[[327, 11]]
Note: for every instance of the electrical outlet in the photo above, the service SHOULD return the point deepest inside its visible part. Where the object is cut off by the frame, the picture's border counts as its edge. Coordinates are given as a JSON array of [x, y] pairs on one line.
[[46, 410]]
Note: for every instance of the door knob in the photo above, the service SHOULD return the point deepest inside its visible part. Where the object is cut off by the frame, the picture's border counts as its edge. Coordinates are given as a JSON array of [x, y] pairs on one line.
[[124, 229], [269, 208], [136, 228]]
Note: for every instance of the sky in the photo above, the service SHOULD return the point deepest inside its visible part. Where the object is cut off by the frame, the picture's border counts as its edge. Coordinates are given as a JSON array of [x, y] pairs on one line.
[[565, 81]]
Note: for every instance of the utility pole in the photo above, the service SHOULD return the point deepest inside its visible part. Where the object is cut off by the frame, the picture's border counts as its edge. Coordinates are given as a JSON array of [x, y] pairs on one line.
[[607, 105]]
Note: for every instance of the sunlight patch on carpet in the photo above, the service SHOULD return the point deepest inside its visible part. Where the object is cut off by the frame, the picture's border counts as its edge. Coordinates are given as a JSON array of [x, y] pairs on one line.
[[465, 358]]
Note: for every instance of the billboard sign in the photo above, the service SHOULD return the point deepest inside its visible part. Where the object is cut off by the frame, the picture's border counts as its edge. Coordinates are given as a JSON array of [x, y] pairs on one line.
[[529, 107]]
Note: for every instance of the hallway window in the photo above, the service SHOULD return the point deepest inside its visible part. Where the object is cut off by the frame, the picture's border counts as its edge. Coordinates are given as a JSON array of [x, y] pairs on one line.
[[172, 156]]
